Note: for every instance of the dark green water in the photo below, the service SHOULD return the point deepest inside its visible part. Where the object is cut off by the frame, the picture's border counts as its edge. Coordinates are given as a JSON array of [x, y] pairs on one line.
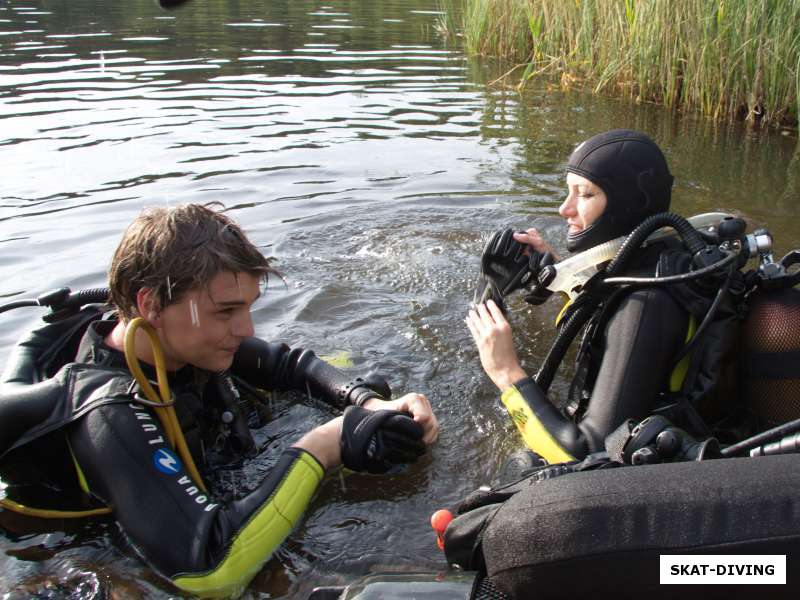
[[366, 155]]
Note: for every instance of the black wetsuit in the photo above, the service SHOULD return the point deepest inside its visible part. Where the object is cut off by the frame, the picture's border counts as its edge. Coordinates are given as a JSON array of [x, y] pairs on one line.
[[630, 367], [120, 458]]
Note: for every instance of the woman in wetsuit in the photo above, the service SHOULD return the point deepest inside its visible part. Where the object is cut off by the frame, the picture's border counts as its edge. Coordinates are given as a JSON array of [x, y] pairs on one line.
[[83, 436], [614, 181]]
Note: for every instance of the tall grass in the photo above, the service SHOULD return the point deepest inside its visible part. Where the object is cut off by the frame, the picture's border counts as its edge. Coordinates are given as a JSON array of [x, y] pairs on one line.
[[723, 58]]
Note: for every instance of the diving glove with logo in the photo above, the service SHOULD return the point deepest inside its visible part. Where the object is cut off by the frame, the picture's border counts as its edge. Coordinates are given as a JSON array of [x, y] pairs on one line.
[[376, 440], [505, 268]]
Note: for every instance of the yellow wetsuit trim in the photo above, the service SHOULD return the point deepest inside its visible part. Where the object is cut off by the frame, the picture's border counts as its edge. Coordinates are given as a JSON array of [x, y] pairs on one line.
[[678, 374], [535, 435], [262, 535], [81, 477]]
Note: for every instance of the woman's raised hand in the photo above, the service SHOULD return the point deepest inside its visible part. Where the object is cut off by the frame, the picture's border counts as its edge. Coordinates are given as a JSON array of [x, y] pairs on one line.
[[492, 335]]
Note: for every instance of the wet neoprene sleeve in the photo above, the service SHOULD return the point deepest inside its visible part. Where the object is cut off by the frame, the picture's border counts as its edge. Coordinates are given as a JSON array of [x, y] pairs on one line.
[[275, 366], [202, 546], [641, 340]]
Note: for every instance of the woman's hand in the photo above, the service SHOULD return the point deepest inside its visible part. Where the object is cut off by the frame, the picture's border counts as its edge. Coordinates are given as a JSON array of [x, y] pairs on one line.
[[417, 406], [492, 335], [532, 238]]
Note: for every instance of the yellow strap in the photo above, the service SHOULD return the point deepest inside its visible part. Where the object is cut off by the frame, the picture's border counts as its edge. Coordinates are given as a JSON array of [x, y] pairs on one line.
[[564, 308], [166, 414], [678, 374], [81, 477], [535, 435]]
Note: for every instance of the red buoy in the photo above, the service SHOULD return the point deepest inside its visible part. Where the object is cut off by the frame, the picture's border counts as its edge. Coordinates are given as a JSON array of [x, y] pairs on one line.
[[439, 521]]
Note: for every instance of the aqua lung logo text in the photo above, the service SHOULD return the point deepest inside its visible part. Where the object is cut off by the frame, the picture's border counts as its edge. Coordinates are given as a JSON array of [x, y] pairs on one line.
[[165, 460]]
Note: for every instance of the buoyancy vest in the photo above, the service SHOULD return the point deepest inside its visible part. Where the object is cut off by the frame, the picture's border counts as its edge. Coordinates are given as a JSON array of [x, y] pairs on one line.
[[42, 391], [35, 454], [37, 404], [702, 385]]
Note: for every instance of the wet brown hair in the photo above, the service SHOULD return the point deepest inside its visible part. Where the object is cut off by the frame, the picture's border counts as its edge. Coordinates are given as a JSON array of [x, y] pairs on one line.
[[173, 250]]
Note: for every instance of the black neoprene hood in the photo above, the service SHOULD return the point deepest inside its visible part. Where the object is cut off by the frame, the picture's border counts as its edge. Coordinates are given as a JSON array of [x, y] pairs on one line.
[[632, 171]]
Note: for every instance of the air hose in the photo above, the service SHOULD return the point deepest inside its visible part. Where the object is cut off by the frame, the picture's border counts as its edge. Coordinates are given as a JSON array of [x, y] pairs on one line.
[[60, 300], [681, 278], [588, 301], [161, 402], [776, 433]]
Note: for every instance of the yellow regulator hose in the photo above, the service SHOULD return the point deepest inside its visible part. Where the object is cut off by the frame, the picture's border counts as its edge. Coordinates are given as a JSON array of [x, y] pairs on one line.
[[166, 411]]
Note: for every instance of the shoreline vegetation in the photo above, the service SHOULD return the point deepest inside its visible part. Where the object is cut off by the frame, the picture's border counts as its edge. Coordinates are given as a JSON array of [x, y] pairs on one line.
[[725, 59]]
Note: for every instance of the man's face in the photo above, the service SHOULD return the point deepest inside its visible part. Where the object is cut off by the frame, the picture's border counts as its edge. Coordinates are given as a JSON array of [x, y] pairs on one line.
[[206, 327]]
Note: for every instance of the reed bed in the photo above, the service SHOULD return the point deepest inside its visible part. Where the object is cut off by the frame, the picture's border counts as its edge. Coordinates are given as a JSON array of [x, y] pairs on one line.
[[724, 58]]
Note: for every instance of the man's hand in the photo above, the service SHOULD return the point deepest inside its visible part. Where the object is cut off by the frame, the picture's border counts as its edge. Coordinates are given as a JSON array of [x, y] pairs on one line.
[[492, 335], [417, 406], [323, 443]]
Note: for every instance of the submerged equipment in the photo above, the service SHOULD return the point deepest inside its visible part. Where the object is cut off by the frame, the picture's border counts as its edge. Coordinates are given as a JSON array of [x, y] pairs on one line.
[[171, 4], [632, 171]]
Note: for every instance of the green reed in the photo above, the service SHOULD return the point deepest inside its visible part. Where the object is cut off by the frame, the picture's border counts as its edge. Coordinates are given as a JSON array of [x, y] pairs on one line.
[[723, 58]]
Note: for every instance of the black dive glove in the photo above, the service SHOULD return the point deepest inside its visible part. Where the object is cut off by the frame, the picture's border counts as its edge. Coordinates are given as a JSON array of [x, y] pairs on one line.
[[506, 268], [538, 291], [375, 440]]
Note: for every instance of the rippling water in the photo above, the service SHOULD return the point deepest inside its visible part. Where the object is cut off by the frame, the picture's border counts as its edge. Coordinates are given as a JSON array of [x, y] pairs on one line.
[[372, 160]]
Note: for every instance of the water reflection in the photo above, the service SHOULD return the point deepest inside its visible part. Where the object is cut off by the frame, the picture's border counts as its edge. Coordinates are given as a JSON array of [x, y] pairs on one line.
[[373, 161]]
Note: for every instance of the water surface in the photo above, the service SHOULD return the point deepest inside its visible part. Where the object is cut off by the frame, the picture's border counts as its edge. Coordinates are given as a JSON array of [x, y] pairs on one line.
[[372, 160]]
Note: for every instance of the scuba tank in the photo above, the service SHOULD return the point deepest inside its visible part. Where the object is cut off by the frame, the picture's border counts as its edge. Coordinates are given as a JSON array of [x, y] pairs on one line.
[[770, 382]]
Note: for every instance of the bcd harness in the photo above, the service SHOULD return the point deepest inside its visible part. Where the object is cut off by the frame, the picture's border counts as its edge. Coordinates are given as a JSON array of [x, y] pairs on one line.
[[703, 277]]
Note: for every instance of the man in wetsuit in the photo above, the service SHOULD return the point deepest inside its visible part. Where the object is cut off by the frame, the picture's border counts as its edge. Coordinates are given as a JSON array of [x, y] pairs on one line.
[[615, 180], [192, 274]]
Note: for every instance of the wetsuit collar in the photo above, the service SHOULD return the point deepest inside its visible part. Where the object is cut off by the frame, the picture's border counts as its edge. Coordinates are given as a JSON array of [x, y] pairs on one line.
[[93, 349]]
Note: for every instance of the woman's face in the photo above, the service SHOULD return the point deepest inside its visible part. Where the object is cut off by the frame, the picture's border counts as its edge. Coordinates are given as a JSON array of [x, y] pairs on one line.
[[585, 202]]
